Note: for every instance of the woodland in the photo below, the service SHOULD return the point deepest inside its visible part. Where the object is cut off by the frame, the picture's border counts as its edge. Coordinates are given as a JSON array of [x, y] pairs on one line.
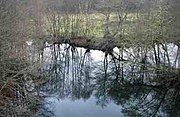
[[145, 32]]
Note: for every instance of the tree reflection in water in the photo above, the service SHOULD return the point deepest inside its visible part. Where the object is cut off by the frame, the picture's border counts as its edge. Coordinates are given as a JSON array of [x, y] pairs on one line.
[[140, 88]]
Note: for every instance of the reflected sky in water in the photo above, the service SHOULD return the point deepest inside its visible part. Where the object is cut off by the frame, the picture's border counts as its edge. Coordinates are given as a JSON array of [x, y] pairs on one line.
[[86, 83], [81, 108]]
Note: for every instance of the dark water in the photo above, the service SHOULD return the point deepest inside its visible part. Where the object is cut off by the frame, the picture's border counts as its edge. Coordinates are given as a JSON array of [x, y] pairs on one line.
[[91, 85]]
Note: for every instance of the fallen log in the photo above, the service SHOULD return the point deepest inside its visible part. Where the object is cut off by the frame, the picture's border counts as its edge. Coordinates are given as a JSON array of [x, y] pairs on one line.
[[91, 44]]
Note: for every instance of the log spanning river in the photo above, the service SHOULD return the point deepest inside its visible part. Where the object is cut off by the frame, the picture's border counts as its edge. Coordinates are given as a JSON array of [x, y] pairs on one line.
[[90, 84]]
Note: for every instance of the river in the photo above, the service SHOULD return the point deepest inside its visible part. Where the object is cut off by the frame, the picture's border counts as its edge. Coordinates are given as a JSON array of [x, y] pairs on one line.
[[83, 83]]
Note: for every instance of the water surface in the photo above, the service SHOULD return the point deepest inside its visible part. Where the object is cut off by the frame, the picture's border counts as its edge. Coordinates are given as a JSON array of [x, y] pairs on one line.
[[90, 84]]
